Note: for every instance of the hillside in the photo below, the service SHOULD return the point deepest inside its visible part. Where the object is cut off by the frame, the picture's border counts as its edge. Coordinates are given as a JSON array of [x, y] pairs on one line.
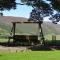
[[50, 28], [5, 26], [5, 23]]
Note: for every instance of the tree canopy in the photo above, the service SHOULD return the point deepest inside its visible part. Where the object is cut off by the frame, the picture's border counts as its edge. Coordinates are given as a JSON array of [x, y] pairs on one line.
[[41, 8], [7, 4], [46, 8], [55, 4]]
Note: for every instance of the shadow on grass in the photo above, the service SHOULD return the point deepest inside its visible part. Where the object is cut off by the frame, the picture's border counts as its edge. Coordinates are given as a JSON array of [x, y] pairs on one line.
[[0, 55], [49, 45], [33, 48], [53, 43], [40, 48], [11, 44]]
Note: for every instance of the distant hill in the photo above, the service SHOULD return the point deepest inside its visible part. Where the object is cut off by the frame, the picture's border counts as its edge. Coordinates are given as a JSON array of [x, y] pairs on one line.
[[6, 25], [50, 28]]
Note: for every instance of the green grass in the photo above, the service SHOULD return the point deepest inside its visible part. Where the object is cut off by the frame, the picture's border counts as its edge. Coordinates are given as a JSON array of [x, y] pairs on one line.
[[3, 40], [49, 37], [4, 28], [33, 55]]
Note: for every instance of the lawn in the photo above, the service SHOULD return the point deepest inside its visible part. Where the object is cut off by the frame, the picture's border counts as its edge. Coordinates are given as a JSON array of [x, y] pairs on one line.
[[49, 37], [3, 40], [30, 55]]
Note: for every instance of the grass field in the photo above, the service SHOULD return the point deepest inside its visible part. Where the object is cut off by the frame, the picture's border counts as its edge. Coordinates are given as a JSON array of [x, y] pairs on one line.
[[31, 55], [49, 37]]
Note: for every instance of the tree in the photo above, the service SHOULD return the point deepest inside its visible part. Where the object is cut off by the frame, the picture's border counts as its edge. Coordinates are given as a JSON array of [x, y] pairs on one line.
[[46, 6], [55, 18], [46, 9], [55, 4], [43, 8], [7, 4]]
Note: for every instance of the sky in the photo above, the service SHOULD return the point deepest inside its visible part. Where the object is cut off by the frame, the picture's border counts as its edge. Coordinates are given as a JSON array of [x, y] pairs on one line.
[[21, 11]]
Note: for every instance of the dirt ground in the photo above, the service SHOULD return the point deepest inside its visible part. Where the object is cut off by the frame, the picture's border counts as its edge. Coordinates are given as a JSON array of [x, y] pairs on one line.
[[12, 49]]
